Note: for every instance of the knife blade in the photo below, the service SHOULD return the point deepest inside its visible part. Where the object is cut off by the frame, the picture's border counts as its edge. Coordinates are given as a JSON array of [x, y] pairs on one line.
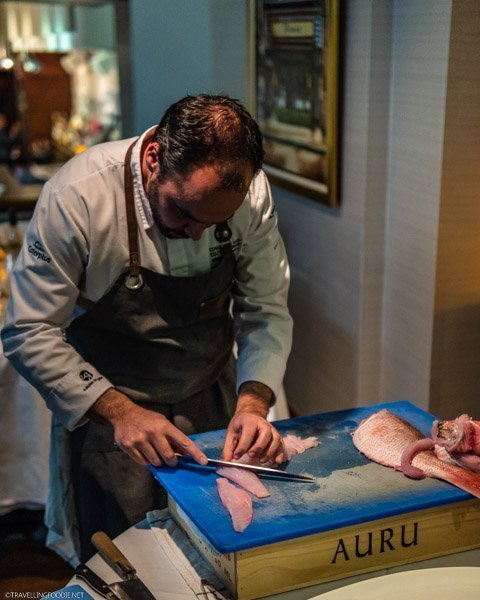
[[132, 587], [257, 469]]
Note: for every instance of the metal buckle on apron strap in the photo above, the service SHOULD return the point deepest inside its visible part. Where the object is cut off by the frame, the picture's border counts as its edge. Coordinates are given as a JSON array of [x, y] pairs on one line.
[[223, 233], [133, 282]]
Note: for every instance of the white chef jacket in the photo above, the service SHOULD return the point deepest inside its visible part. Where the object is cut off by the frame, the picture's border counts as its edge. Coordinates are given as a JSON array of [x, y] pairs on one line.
[[76, 246]]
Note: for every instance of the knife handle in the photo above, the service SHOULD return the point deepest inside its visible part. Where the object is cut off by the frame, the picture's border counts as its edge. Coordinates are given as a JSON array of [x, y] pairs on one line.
[[112, 555], [94, 581]]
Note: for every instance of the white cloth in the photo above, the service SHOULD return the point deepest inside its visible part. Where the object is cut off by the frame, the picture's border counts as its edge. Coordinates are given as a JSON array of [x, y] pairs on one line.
[[76, 243], [188, 570], [24, 434], [60, 518], [165, 559]]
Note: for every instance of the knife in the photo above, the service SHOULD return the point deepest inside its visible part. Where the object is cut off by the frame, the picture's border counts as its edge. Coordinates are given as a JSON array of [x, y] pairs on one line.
[[258, 470], [95, 582], [132, 588]]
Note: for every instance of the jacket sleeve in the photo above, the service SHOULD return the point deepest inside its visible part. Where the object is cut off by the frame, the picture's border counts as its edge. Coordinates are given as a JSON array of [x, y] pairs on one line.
[[263, 324], [43, 293]]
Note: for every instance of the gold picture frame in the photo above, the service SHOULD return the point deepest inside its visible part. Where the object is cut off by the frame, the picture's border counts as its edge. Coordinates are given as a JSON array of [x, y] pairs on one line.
[[294, 63]]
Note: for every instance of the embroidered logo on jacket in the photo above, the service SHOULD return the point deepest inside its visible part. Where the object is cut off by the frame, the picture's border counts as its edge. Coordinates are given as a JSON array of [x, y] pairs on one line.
[[216, 251], [38, 251], [88, 377]]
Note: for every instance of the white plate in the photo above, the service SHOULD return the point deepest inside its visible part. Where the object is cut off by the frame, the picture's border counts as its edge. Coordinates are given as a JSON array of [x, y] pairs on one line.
[[448, 583]]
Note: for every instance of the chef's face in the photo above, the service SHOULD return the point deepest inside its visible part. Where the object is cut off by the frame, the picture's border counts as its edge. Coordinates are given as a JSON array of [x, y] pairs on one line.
[[184, 206]]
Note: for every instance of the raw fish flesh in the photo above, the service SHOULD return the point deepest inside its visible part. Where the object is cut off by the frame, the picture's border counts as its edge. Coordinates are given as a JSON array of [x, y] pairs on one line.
[[383, 438], [251, 482], [296, 445], [293, 445], [237, 502], [245, 479]]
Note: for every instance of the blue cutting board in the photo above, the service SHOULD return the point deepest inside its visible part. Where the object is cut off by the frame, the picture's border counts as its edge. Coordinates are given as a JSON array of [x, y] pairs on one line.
[[350, 489]]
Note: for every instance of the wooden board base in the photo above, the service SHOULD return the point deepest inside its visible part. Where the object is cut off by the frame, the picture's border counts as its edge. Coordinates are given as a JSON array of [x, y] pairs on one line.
[[331, 555]]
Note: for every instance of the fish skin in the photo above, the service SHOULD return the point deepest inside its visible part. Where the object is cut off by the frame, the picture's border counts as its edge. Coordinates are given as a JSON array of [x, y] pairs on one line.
[[469, 461], [237, 502], [245, 479], [383, 437], [466, 460]]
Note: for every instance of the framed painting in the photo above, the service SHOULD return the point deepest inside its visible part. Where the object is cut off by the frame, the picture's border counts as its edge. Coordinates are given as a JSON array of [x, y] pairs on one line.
[[294, 54]]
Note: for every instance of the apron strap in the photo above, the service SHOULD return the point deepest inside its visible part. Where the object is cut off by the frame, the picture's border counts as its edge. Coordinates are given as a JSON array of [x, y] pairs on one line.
[[134, 280]]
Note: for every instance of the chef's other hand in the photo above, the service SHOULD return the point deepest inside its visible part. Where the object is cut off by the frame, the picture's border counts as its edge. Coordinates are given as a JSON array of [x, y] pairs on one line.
[[249, 431], [148, 437]]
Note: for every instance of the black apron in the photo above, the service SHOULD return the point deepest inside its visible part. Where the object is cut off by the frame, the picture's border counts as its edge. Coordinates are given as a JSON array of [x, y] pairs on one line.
[[166, 342]]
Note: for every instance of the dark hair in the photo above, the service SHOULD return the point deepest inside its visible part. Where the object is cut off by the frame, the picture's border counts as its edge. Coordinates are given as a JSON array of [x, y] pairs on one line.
[[205, 129]]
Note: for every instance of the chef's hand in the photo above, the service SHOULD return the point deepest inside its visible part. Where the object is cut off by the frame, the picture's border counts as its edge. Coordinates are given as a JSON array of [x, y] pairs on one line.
[[249, 431], [148, 437]]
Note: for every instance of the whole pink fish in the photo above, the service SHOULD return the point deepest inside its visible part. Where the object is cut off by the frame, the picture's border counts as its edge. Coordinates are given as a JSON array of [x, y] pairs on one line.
[[383, 437], [237, 502]]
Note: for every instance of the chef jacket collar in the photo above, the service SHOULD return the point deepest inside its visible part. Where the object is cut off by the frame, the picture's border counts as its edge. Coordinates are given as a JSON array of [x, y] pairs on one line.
[[141, 201]]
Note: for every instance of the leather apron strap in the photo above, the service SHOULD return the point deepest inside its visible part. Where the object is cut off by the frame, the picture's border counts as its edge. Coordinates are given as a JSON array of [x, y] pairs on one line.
[[133, 280]]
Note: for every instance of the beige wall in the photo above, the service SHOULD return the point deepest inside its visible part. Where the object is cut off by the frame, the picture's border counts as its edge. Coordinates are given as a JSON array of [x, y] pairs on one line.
[[455, 381], [365, 286], [336, 255], [420, 46]]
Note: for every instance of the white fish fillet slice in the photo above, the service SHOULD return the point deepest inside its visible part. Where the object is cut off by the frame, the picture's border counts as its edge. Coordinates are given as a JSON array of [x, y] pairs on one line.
[[383, 437], [245, 479], [237, 502], [293, 445], [297, 445], [251, 482]]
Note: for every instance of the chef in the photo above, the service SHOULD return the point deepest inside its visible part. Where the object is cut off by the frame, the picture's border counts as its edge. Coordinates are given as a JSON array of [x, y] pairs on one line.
[[145, 260]]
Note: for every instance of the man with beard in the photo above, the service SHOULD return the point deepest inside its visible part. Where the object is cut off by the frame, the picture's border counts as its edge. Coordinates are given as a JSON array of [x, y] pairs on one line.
[[145, 260]]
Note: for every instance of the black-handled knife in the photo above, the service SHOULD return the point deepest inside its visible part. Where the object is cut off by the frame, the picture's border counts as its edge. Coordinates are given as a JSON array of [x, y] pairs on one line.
[[95, 582]]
